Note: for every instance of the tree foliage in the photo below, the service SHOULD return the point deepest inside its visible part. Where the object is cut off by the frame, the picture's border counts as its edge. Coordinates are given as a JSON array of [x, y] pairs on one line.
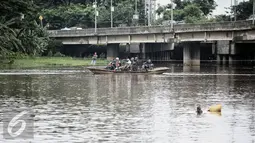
[[68, 16], [191, 11], [19, 31], [80, 13], [243, 10]]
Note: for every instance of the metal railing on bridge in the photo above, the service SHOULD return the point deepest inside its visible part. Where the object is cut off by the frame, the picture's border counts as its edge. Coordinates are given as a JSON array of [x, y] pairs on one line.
[[110, 31], [222, 26], [179, 28]]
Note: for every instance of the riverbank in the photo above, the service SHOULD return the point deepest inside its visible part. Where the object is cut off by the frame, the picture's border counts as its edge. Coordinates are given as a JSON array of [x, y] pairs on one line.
[[51, 62]]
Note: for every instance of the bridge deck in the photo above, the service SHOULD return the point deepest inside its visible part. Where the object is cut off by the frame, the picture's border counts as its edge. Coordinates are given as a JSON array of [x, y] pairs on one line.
[[181, 28]]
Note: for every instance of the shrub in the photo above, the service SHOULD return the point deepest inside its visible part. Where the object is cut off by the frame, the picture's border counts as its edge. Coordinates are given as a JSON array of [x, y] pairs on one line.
[[58, 54], [102, 56]]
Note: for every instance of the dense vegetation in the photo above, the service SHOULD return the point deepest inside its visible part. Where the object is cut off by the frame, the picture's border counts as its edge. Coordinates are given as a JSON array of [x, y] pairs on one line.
[[22, 34], [19, 30], [80, 13], [190, 11], [199, 11]]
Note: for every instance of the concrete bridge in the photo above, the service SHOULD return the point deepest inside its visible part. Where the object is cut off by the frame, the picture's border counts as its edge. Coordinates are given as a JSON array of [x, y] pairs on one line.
[[222, 36]]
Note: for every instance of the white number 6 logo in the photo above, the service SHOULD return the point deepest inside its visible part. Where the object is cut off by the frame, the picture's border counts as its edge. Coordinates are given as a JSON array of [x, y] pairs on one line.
[[14, 122]]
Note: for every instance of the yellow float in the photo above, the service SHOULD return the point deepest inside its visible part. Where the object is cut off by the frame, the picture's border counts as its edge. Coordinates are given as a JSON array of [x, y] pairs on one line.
[[215, 108]]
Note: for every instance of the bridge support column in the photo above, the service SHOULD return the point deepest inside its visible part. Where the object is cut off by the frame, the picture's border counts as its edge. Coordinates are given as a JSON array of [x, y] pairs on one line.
[[187, 56], [227, 50], [128, 49], [218, 59], [112, 51], [232, 53], [231, 60], [142, 50], [191, 54], [224, 59]]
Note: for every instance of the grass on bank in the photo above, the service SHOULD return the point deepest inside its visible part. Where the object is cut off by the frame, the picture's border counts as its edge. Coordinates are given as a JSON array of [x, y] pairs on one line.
[[53, 62]]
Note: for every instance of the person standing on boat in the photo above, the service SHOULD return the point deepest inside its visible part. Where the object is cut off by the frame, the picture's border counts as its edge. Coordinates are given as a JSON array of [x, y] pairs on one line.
[[134, 64], [117, 63], [128, 64], [94, 59]]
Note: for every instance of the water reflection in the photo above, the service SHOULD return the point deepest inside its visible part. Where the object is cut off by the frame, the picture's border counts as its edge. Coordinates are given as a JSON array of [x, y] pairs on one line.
[[81, 107]]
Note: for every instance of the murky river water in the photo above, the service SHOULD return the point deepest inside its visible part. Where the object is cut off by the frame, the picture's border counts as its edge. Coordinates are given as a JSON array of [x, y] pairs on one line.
[[77, 106]]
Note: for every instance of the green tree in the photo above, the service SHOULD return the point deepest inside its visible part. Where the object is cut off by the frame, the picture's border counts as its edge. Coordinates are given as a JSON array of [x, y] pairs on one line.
[[69, 16], [206, 6], [180, 4], [19, 30], [192, 14], [222, 18], [192, 11], [243, 10]]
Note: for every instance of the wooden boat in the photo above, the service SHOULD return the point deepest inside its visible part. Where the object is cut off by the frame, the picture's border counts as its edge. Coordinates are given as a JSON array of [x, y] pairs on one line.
[[159, 70]]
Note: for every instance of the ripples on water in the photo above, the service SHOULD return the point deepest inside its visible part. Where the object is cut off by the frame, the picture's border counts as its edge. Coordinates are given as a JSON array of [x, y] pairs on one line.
[[77, 106]]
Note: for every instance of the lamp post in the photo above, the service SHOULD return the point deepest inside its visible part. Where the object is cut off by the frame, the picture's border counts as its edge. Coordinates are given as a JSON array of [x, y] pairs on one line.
[[136, 16], [253, 12], [235, 3], [96, 14], [149, 13], [112, 10], [135, 6], [231, 6], [172, 14]]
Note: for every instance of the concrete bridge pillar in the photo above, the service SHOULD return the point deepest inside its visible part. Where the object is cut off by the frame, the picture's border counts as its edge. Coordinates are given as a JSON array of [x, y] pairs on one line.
[[196, 56], [112, 51], [222, 51], [231, 60], [227, 50], [191, 54], [224, 59], [232, 53], [128, 49], [142, 50], [187, 55], [219, 59]]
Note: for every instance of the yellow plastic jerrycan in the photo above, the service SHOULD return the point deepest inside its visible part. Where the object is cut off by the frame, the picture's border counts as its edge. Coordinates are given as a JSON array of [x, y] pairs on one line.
[[215, 108]]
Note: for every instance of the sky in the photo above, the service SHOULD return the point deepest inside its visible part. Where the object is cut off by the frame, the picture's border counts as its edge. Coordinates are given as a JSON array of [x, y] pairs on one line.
[[219, 10]]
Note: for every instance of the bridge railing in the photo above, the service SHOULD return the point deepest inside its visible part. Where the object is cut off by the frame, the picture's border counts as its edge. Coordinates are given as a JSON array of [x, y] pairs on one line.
[[110, 31], [238, 25]]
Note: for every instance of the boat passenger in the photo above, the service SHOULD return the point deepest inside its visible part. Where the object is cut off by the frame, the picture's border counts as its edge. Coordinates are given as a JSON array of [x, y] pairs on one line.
[[117, 63], [128, 64], [136, 59], [148, 65], [132, 60], [112, 64], [134, 64]]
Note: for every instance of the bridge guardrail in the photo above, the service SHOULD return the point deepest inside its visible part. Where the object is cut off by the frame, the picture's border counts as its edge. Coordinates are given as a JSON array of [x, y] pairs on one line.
[[110, 31], [181, 28], [238, 25]]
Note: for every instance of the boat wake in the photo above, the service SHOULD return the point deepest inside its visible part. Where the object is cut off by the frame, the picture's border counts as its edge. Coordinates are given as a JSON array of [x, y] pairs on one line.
[[201, 74], [38, 72]]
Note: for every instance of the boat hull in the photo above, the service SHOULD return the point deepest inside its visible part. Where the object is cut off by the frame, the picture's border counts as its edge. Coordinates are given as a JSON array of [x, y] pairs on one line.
[[105, 71]]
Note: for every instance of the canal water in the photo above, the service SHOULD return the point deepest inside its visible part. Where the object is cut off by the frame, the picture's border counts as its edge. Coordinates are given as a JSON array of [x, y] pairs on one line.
[[73, 105]]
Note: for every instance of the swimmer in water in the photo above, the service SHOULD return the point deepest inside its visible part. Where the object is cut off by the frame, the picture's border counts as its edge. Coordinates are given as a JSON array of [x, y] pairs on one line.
[[199, 110]]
